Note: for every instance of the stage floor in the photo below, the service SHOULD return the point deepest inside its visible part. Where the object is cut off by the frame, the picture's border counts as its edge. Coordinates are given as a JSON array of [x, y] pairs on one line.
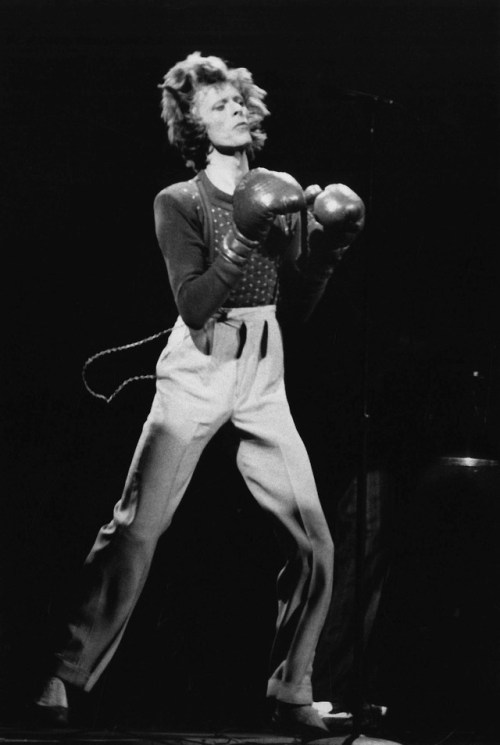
[[16, 736]]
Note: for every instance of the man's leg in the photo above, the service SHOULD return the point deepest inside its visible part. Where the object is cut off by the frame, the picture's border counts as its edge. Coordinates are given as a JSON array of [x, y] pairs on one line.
[[334, 676], [273, 460], [184, 416]]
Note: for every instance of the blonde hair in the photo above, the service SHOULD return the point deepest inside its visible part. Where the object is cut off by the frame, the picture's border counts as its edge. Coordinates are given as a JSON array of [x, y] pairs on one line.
[[179, 87]]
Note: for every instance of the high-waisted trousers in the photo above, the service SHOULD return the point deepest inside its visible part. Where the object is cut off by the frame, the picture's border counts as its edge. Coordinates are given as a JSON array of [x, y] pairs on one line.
[[230, 370]]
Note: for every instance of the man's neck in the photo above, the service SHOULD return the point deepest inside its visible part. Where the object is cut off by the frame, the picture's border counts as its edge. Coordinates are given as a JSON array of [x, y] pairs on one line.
[[225, 171]]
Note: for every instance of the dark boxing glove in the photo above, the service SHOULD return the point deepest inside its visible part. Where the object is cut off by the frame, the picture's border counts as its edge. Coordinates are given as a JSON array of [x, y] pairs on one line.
[[258, 198], [340, 211], [311, 193]]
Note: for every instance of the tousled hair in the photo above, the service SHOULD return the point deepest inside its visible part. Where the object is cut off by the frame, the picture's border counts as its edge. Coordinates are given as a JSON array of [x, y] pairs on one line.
[[179, 87]]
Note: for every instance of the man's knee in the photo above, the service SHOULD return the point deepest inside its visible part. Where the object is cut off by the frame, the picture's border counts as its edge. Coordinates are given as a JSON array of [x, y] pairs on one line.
[[323, 551]]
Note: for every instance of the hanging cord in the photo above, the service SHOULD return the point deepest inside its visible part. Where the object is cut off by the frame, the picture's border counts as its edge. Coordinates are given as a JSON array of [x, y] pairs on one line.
[[104, 352], [208, 235]]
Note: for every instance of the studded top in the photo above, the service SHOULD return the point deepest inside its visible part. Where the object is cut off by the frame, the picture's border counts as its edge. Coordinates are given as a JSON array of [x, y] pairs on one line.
[[259, 283], [203, 281]]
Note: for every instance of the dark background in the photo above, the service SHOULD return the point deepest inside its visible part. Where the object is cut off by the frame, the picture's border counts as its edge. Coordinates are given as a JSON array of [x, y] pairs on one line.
[[84, 153]]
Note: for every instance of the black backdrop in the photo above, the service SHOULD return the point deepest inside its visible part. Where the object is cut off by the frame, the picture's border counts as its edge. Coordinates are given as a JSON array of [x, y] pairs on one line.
[[84, 153]]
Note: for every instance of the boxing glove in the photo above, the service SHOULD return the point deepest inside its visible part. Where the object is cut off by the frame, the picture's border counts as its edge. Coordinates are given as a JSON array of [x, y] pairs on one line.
[[311, 193], [340, 211], [260, 196]]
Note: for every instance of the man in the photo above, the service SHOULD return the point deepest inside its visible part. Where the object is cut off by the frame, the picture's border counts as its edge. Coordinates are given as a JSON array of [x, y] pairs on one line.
[[235, 246]]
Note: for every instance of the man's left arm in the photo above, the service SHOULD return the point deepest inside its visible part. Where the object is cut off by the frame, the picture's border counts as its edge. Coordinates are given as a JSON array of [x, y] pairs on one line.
[[321, 235]]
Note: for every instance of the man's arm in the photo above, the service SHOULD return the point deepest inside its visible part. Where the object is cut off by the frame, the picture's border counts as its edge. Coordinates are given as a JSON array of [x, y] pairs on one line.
[[334, 218], [199, 290]]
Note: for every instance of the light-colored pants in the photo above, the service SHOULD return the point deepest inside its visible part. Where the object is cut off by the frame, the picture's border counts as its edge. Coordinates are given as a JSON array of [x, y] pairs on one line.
[[232, 369]]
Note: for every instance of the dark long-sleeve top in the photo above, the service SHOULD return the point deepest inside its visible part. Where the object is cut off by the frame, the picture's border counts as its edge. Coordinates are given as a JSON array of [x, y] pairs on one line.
[[289, 269]]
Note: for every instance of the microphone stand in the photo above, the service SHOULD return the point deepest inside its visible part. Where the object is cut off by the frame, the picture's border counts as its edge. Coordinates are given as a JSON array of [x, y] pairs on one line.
[[356, 737]]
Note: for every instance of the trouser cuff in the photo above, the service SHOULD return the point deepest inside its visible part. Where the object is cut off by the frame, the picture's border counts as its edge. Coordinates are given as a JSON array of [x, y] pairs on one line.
[[72, 674], [290, 693]]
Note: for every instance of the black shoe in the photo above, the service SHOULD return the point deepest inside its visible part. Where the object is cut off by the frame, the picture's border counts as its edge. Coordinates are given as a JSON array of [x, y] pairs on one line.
[[336, 716], [299, 721], [51, 708], [49, 716], [339, 718]]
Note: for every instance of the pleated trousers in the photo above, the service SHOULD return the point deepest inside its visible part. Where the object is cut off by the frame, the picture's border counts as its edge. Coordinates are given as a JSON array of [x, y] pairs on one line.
[[230, 370]]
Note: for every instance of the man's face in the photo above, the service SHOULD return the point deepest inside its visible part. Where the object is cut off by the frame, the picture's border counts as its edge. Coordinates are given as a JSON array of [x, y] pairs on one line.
[[222, 110]]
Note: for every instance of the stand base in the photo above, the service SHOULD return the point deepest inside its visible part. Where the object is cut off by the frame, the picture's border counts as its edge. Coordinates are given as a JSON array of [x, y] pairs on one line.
[[366, 740], [359, 740]]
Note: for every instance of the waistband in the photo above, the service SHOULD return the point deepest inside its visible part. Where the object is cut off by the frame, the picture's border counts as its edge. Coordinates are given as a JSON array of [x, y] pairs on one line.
[[253, 320], [257, 313]]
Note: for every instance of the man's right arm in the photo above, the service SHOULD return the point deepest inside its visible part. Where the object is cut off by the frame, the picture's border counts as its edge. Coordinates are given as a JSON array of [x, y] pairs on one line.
[[199, 289]]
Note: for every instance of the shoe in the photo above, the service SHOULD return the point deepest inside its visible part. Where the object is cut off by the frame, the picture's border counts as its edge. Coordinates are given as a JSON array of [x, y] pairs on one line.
[[372, 716], [335, 716], [300, 720], [338, 715], [51, 707], [50, 716]]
